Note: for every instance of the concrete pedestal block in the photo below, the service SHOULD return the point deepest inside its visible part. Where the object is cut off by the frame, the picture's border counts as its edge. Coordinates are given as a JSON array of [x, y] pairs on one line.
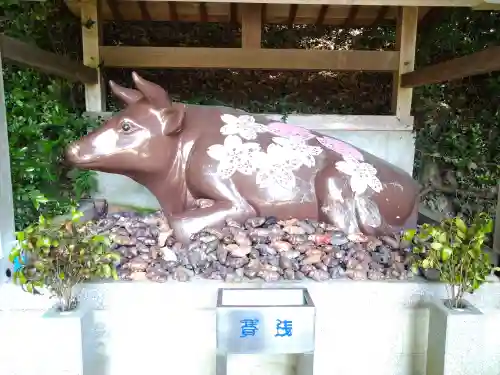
[[455, 340], [45, 343]]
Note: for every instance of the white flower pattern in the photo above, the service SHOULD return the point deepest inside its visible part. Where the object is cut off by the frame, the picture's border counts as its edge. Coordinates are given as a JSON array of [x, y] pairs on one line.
[[234, 155], [244, 126], [362, 175], [297, 148], [274, 167]]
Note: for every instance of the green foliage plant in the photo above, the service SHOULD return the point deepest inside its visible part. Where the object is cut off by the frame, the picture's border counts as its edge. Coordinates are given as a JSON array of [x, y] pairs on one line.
[[457, 252], [43, 113], [59, 256]]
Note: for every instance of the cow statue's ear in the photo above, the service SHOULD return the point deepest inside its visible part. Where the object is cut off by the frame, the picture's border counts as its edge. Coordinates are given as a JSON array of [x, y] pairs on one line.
[[174, 119], [155, 94], [126, 95]]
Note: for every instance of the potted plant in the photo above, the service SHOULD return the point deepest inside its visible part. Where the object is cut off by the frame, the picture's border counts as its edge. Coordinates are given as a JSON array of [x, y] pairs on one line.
[[457, 252], [57, 255]]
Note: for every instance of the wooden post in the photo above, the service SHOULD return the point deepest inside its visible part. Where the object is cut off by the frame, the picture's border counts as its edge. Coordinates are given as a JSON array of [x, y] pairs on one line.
[[6, 202], [406, 39], [251, 25], [95, 94]]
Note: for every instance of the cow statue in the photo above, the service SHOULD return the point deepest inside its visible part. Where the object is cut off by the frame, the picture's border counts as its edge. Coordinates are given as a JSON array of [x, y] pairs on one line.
[[245, 164]]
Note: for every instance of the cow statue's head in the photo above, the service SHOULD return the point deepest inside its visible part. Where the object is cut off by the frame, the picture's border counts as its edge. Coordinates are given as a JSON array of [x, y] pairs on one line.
[[139, 139]]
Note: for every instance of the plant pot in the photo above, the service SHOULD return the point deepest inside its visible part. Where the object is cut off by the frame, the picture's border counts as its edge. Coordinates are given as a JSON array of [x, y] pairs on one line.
[[430, 274], [70, 340], [455, 339]]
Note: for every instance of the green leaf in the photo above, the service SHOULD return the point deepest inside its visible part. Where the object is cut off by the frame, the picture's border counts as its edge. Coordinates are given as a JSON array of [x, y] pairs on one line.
[[14, 254], [20, 236], [436, 246], [426, 263], [443, 237], [446, 253], [460, 225], [106, 269], [409, 234]]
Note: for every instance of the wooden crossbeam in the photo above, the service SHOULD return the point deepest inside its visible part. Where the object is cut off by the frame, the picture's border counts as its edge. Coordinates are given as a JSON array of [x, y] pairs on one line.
[[223, 13], [466, 66], [248, 58], [47, 62], [418, 3], [379, 123]]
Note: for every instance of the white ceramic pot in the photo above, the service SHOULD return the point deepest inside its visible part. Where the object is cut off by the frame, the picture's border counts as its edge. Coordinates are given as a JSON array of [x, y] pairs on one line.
[[455, 340]]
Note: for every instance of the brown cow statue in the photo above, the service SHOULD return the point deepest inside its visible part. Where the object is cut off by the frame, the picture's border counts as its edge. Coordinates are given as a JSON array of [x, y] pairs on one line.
[[247, 165]]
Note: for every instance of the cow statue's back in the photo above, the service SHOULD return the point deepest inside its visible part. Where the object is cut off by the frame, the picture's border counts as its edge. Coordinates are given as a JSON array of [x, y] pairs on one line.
[[247, 165]]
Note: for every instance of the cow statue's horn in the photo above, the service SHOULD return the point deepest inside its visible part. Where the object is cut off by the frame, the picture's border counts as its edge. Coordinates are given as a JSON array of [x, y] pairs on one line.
[[155, 94]]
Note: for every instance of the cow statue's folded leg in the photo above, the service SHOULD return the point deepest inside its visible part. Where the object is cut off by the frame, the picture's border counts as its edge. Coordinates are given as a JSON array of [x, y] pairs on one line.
[[186, 223]]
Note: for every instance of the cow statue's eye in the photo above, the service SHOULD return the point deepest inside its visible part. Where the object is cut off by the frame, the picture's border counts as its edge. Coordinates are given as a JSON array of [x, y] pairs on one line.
[[126, 127]]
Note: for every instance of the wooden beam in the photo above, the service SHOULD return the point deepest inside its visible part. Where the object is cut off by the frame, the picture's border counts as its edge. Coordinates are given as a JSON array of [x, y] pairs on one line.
[[172, 11], [406, 40], [321, 15], [323, 122], [95, 94], [47, 62], [466, 66], [292, 14], [351, 17], [203, 12], [220, 12], [382, 13], [233, 13], [227, 58], [410, 3], [145, 15], [251, 25]]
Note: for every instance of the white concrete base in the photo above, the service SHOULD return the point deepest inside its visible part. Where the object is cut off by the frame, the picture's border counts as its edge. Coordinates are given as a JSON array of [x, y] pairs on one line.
[[456, 340], [46, 343], [376, 328]]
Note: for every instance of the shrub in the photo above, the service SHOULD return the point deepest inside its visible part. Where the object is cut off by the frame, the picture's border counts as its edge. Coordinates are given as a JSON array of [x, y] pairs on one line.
[[59, 256], [41, 114], [456, 251]]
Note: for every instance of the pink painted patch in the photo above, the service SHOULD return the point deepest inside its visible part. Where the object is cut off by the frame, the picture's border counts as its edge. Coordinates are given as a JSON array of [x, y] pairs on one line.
[[287, 130], [340, 147]]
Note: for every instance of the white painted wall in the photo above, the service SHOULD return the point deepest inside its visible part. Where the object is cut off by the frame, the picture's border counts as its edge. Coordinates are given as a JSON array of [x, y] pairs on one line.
[[376, 328], [6, 205], [383, 136]]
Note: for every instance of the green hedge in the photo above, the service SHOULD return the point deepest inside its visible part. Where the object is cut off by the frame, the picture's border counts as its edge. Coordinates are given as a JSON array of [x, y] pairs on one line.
[[41, 117]]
